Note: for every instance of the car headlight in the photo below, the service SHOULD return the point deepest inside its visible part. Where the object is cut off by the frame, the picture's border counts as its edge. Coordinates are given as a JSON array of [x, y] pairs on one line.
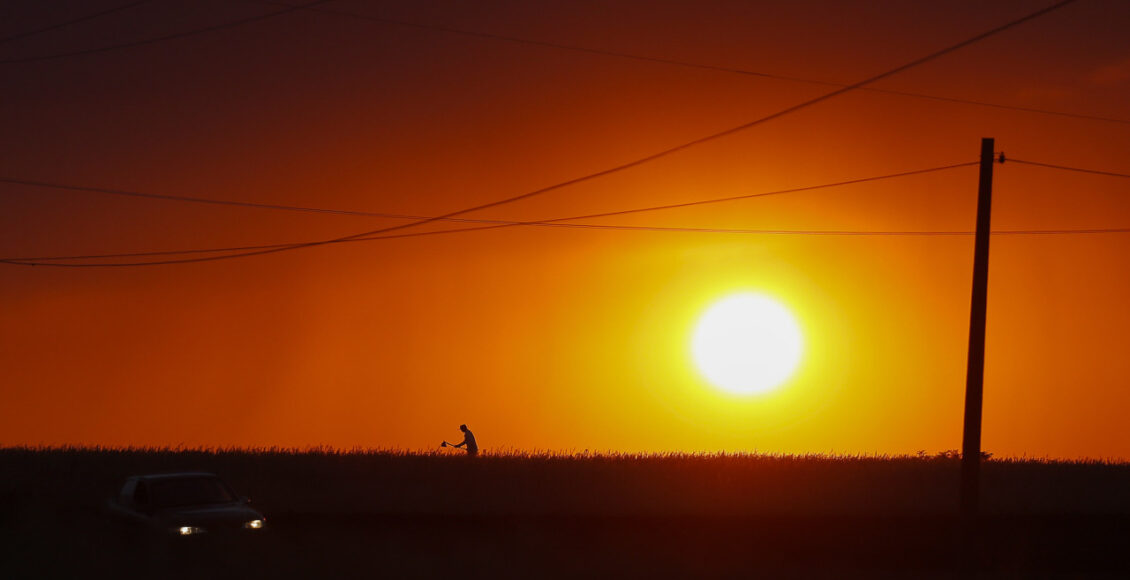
[[253, 524], [189, 530]]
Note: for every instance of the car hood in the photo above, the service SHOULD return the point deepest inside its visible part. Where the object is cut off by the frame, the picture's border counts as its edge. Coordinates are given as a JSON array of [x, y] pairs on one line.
[[231, 514]]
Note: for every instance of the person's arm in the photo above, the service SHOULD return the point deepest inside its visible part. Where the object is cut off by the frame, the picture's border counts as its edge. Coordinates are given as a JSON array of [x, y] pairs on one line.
[[461, 443]]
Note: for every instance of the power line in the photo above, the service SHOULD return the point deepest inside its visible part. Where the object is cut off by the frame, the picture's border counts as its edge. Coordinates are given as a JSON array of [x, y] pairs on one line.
[[639, 161], [1068, 168], [1000, 106], [313, 6], [203, 200], [689, 64], [900, 233], [93, 16], [493, 223], [855, 233], [562, 223], [172, 36], [786, 232], [46, 261], [271, 206], [762, 194]]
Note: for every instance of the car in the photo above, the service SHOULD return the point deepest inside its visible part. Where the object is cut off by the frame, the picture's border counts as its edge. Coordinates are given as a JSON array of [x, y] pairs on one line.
[[185, 504]]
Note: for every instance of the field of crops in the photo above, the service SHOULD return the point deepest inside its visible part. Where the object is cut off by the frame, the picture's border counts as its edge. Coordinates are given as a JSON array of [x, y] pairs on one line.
[[373, 513]]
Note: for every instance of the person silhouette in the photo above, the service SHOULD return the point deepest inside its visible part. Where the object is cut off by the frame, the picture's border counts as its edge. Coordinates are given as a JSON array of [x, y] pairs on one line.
[[469, 441]]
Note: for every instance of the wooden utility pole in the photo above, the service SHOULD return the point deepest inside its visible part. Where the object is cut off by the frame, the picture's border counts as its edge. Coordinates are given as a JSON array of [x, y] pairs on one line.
[[975, 373]]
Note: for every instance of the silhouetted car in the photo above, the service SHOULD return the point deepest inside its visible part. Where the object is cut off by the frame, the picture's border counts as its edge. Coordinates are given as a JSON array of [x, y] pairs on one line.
[[184, 504]]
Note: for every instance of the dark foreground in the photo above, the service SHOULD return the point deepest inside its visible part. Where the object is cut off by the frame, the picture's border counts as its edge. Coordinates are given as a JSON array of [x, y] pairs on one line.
[[343, 546], [389, 515]]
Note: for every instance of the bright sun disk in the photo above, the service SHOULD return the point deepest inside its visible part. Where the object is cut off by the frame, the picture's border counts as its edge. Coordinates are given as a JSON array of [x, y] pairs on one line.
[[747, 343]]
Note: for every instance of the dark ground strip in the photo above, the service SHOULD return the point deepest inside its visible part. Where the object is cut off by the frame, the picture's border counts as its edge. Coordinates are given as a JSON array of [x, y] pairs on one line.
[[401, 546]]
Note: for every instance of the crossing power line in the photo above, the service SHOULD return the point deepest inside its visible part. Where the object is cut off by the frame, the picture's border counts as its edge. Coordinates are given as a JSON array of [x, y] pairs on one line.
[[316, 7], [48, 260], [490, 223], [1068, 168], [293, 208], [59, 25], [569, 222], [634, 163], [154, 40], [686, 64]]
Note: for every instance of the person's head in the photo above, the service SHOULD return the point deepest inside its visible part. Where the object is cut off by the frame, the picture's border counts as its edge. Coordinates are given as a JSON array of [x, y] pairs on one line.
[[463, 428]]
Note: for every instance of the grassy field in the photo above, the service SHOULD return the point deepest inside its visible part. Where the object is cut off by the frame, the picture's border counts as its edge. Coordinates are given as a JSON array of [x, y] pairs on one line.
[[365, 514]]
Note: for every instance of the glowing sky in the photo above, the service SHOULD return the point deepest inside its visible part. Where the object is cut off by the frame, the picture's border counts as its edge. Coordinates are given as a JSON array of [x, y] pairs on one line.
[[555, 338]]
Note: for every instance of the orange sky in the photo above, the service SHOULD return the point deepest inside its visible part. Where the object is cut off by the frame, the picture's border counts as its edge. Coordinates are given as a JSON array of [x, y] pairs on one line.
[[550, 338]]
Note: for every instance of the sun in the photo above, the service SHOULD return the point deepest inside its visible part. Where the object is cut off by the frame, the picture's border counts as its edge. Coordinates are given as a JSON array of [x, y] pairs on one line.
[[747, 343]]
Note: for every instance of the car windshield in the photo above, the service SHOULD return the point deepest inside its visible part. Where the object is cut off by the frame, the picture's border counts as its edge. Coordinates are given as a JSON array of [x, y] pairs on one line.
[[189, 491]]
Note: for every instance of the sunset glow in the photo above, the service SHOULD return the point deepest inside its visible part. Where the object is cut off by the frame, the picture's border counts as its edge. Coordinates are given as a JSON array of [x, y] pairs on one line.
[[397, 186]]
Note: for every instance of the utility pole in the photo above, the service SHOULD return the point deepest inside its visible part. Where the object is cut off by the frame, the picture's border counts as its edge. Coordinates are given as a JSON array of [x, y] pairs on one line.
[[975, 373]]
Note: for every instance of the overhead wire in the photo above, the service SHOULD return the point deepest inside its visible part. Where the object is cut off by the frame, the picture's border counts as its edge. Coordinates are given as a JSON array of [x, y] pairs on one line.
[[272, 206], [639, 161], [201, 200], [562, 222], [688, 64], [57, 26], [154, 40], [45, 261], [1068, 168], [567, 222], [492, 223]]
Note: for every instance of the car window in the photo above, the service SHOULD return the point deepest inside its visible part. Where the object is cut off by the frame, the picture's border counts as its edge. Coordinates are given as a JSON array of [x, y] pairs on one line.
[[141, 494], [189, 491]]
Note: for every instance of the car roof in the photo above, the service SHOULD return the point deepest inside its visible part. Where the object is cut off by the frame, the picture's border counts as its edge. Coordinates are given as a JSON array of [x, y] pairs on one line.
[[181, 475]]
